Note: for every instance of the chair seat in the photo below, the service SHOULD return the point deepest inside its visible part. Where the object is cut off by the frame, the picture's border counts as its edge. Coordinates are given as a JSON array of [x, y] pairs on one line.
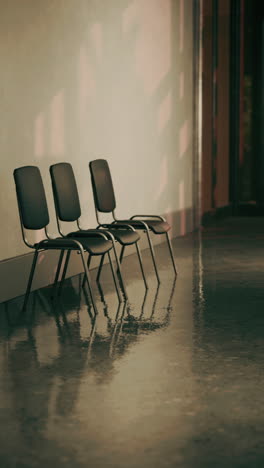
[[93, 245], [124, 236], [157, 226]]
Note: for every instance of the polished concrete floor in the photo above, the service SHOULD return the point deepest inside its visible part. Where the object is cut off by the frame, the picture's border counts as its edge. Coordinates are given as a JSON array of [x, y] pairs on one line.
[[172, 379]]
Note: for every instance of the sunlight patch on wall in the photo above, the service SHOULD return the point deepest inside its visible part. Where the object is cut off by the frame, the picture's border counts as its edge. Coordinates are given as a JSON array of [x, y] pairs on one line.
[[41, 256], [184, 138], [164, 112], [163, 179], [57, 132], [181, 26], [34, 237], [181, 85], [97, 39], [39, 137], [129, 17], [152, 54], [87, 85], [182, 208], [169, 217]]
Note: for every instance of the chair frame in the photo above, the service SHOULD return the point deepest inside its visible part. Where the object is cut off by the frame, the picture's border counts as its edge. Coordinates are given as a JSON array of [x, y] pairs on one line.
[[107, 229], [142, 225], [49, 243], [147, 230], [81, 233], [86, 233]]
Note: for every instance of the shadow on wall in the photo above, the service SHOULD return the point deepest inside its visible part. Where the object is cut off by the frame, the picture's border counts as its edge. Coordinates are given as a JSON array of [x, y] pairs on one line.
[[108, 79]]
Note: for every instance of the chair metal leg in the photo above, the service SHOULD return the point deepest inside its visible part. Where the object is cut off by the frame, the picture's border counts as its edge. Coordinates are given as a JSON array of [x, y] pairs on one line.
[[89, 261], [171, 254], [119, 273], [103, 299], [153, 255], [33, 266], [122, 284], [122, 254], [100, 268], [171, 294], [64, 270], [143, 304], [141, 265], [155, 301], [87, 274], [57, 273], [88, 266], [114, 278]]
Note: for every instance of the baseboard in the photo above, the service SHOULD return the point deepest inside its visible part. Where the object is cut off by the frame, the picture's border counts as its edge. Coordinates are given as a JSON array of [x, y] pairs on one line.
[[249, 209], [14, 272], [242, 209], [218, 213]]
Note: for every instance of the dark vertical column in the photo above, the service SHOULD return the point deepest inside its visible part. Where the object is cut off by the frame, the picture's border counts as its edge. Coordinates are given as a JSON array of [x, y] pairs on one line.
[[197, 111], [241, 84], [261, 120], [235, 25], [214, 99], [207, 94], [258, 100]]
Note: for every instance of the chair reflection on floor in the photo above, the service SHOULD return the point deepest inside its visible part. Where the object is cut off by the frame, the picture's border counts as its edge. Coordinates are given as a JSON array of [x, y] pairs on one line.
[[22, 318], [70, 330], [39, 385], [129, 325], [77, 351], [143, 321]]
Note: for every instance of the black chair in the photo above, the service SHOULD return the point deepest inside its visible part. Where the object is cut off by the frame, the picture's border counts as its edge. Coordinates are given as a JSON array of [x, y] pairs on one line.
[[67, 206], [105, 202], [123, 233], [34, 216]]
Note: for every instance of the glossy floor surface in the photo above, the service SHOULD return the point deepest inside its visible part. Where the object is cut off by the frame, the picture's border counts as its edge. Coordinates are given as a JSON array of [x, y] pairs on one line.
[[172, 379]]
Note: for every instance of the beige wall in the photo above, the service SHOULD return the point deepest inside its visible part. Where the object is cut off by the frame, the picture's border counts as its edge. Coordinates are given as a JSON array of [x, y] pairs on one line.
[[92, 78], [104, 78]]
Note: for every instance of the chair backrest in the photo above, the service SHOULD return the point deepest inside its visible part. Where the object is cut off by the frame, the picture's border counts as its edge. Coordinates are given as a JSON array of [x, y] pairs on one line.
[[103, 191], [65, 192], [31, 197]]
